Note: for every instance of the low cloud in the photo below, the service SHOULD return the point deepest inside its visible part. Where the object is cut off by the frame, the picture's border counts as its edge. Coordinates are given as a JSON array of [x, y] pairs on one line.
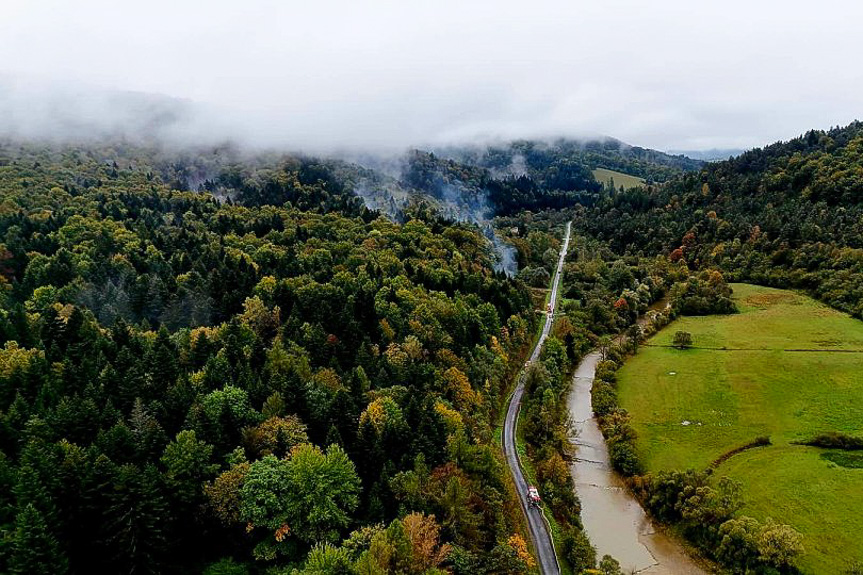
[[363, 74]]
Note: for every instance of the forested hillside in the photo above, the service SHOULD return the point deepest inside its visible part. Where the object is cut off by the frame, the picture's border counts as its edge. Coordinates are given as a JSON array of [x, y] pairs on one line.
[[545, 160], [189, 379], [222, 362], [478, 182], [307, 288], [788, 215]]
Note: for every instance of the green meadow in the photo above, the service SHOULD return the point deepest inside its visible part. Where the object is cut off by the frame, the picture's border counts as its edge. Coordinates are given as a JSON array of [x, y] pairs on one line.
[[603, 175], [784, 367]]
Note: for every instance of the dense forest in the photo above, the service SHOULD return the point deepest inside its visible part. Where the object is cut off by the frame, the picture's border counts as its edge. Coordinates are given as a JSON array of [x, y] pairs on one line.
[[222, 362], [548, 161], [191, 379], [787, 215], [474, 183]]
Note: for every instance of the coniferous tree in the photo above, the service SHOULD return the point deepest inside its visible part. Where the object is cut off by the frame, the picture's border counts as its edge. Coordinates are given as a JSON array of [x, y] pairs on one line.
[[136, 522], [35, 550]]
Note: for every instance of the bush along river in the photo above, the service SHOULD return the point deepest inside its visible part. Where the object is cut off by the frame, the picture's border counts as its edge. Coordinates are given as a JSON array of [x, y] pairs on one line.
[[613, 519]]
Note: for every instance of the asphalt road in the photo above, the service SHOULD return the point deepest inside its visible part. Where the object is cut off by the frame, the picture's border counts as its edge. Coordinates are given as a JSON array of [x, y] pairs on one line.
[[537, 524]]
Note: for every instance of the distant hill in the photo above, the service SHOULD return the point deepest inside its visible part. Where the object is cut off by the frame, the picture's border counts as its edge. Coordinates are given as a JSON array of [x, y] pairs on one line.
[[533, 156], [476, 182], [463, 182], [712, 155], [34, 110]]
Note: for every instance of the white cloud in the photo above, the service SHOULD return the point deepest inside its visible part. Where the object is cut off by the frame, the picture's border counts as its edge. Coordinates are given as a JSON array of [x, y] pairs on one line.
[[355, 73]]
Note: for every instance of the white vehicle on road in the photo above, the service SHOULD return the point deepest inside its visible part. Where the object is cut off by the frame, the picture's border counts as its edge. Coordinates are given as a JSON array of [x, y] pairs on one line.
[[533, 496]]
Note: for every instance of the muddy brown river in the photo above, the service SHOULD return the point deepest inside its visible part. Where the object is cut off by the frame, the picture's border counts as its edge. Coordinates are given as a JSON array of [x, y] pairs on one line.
[[613, 519]]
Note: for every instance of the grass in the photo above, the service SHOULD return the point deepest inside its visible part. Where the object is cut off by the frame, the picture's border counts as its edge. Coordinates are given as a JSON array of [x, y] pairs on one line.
[[691, 406], [795, 485], [848, 459], [603, 175]]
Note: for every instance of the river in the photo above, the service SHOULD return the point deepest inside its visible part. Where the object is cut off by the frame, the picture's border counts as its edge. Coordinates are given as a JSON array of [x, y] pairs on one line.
[[613, 519]]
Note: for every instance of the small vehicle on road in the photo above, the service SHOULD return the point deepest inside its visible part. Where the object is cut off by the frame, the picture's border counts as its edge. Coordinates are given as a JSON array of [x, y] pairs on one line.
[[533, 496]]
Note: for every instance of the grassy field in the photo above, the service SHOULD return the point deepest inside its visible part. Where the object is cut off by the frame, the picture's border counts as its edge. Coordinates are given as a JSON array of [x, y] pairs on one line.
[[691, 406], [602, 176]]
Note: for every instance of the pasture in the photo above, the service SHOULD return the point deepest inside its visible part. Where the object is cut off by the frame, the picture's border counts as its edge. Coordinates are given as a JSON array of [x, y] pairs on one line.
[[786, 367], [603, 176]]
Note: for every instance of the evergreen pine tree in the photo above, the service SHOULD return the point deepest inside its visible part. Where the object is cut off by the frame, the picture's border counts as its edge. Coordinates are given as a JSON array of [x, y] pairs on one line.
[[35, 550]]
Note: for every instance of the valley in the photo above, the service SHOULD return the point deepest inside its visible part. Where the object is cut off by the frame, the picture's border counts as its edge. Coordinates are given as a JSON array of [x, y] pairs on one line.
[[431, 288], [186, 332]]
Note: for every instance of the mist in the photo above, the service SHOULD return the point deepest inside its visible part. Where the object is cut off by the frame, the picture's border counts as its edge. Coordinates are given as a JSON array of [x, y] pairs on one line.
[[368, 80], [383, 75], [385, 191]]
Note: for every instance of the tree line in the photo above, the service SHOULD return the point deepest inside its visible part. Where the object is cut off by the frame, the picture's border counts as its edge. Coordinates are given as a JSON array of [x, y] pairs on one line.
[[789, 215]]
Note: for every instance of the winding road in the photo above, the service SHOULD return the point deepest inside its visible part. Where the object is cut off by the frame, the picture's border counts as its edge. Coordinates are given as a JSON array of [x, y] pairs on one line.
[[537, 523]]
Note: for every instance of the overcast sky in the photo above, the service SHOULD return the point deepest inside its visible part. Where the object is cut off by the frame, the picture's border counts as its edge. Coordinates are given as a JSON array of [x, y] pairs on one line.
[[666, 74]]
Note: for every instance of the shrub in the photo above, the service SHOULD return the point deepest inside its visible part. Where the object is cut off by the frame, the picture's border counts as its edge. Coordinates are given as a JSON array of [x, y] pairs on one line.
[[682, 339], [226, 566], [604, 398], [704, 294], [835, 440], [779, 545], [578, 551], [737, 548], [624, 458], [606, 370], [609, 566]]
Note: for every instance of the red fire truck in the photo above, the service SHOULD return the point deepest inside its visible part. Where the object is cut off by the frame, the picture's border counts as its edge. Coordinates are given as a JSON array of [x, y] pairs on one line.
[[533, 496]]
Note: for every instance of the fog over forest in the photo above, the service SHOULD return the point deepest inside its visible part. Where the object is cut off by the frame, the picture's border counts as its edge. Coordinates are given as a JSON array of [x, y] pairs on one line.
[[380, 287], [383, 75]]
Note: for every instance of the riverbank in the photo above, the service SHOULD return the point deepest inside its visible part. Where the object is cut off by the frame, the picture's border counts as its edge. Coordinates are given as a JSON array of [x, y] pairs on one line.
[[613, 519], [692, 408]]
